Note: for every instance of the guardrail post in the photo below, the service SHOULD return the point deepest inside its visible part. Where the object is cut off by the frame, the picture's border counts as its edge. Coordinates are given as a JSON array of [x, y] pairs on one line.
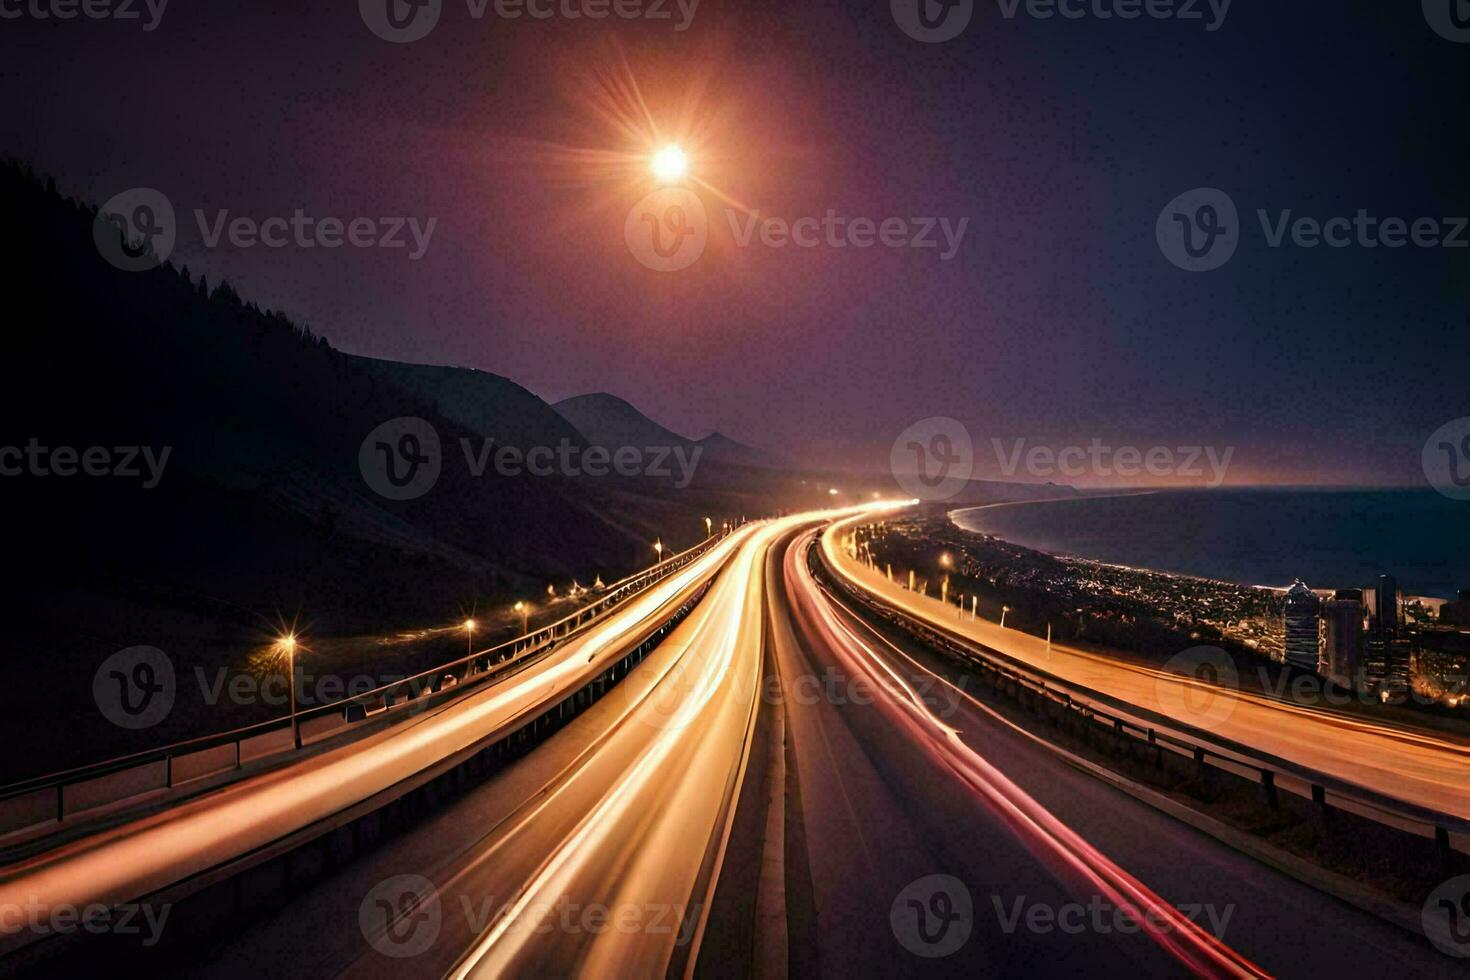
[[1268, 789], [1319, 798]]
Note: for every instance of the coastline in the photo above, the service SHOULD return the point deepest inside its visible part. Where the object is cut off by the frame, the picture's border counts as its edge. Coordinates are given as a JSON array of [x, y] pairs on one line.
[[956, 519]]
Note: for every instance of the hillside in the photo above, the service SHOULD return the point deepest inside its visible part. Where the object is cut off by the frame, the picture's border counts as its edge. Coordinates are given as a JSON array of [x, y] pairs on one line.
[[607, 420], [481, 402], [256, 511]]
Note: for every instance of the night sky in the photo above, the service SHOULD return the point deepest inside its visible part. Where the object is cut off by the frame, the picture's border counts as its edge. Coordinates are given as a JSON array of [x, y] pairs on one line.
[[1058, 320]]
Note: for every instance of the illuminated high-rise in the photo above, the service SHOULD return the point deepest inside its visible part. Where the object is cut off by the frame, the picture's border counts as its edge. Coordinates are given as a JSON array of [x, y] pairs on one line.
[[1302, 615], [1342, 638], [1386, 615]]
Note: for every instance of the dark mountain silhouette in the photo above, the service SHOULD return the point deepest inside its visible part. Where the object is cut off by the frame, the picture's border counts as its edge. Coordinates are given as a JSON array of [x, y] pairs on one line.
[[607, 420], [262, 514], [719, 446], [483, 403]]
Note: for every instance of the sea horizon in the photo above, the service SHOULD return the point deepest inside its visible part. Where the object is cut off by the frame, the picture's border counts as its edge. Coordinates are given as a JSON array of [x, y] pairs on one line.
[[1329, 537]]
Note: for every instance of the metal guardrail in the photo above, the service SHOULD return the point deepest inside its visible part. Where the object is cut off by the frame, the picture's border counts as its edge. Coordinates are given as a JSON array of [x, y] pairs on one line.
[[1195, 743], [477, 668]]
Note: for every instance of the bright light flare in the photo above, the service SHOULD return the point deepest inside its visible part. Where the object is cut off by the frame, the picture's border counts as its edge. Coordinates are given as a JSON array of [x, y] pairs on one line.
[[670, 163]]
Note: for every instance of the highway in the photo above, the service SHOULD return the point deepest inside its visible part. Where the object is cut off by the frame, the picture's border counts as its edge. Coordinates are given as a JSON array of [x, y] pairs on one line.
[[775, 790], [914, 777], [135, 859], [598, 854], [1415, 767]]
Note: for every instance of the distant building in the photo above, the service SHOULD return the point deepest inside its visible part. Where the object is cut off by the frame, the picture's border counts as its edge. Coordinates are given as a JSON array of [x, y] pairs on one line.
[[1342, 638], [1442, 662], [1386, 663], [1386, 615], [1456, 613], [1302, 616]]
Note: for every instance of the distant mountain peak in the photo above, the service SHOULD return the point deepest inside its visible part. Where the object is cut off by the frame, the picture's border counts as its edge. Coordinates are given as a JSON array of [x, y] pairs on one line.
[[719, 446], [606, 420]]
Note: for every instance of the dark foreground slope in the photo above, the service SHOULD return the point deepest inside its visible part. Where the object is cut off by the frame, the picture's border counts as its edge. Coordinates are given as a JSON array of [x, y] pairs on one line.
[[260, 514]]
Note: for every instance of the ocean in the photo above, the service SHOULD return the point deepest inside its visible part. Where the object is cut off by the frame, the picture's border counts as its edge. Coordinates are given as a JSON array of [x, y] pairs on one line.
[[1330, 539]]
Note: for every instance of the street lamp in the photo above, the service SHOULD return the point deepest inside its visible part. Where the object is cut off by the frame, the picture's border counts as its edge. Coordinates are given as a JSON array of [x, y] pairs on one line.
[[469, 628], [709, 527], [520, 607], [288, 646], [1003, 611], [658, 548]]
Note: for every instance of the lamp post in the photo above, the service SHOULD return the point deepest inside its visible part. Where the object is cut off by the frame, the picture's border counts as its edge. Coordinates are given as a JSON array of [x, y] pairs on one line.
[[469, 629], [288, 644], [658, 549], [709, 527], [520, 607], [1003, 611]]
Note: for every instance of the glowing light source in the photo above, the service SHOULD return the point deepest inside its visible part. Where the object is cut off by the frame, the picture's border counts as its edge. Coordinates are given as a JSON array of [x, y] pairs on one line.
[[288, 646], [670, 163]]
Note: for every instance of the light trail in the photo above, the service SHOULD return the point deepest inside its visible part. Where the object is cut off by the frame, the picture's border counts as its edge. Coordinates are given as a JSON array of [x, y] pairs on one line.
[[653, 802], [141, 857], [1411, 766], [1058, 847]]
